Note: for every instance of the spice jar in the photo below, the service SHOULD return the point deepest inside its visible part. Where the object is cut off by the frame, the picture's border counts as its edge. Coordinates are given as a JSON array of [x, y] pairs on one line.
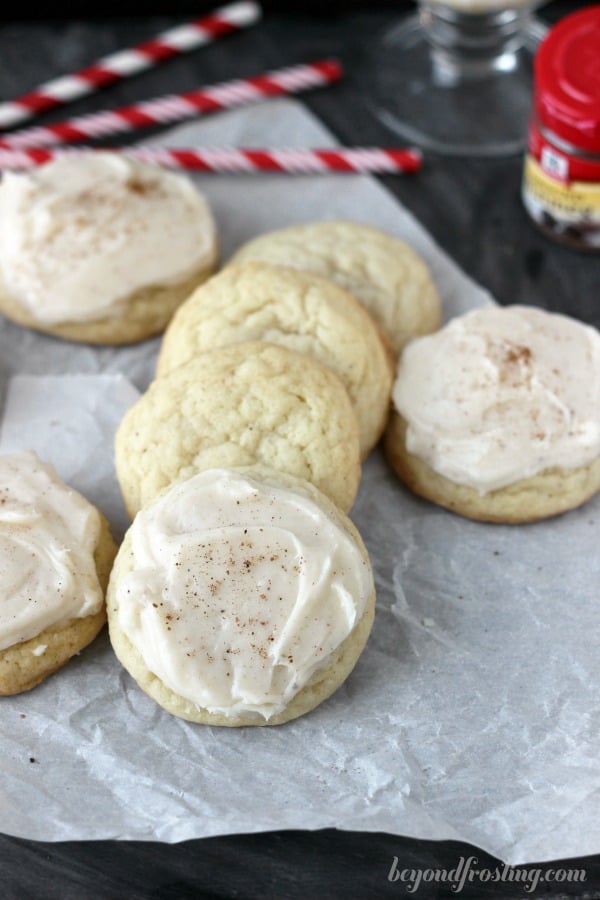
[[561, 179]]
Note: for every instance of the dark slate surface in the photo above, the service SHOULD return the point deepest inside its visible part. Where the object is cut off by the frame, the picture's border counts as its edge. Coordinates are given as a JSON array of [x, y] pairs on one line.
[[473, 210]]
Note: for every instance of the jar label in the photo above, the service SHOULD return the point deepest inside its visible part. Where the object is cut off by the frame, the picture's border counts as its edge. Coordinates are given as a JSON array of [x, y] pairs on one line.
[[566, 200], [560, 164]]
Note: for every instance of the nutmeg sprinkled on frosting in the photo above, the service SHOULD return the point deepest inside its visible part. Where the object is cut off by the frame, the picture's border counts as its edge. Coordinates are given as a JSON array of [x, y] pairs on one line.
[[80, 234], [239, 590], [501, 394]]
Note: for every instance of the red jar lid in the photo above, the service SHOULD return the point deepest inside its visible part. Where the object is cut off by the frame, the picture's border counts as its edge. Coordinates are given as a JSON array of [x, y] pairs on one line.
[[567, 80]]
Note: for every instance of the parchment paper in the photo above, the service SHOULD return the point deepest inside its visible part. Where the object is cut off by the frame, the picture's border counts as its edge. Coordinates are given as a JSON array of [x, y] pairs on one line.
[[473, 713]]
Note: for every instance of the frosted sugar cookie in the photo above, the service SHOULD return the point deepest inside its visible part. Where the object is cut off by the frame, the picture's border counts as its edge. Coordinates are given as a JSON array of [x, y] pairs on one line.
[[240, 405], [384, 273], [56, 552], [299, 310], [240, 597], [99, 248], [497, 416]]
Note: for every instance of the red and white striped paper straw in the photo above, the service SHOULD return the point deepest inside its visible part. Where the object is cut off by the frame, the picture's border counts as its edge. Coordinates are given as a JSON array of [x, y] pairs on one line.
[[125, 63], [175, 107], [234, 160]]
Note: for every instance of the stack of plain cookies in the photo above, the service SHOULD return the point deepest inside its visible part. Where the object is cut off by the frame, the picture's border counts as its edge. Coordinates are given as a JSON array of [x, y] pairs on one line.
[[285, 358], [273, 384]]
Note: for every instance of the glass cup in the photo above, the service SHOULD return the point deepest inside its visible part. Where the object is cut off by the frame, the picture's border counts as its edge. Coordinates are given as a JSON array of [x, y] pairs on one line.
[[457, 77]]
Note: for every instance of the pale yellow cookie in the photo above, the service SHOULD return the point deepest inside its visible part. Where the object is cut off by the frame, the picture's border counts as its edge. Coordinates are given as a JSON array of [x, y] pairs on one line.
[[243, 404], [497, 415], [550, 493], [240, 597], [388, 277], [100, 248], [57, 555], [144, 314], [295, 309]]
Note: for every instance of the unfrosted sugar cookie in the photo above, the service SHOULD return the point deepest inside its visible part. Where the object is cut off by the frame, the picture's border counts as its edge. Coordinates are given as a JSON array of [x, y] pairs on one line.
[[100, 248], [240, 597], [497, 416], [386, 275], [240, 405], [295, 309], [56, 552]]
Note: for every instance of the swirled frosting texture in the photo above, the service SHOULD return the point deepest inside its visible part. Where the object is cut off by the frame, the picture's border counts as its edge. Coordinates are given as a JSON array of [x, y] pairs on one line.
[[501, 394], [239, 590], [82, 233], [48, 535]]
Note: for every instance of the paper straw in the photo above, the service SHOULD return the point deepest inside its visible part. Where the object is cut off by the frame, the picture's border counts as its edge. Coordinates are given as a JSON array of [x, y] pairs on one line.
[[125, 63], [175, 107], [233, 160]]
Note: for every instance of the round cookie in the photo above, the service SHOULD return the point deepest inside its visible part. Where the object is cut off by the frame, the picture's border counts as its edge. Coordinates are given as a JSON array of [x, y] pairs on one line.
[[100, 248], [239, 405], [542, 496], [58, 552], [145, 313], [295, 309], [240, 597], [381, 271], [497, 416]]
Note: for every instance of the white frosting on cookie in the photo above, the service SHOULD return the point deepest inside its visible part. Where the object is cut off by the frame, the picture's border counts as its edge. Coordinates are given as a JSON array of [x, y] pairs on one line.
[[48, 535], [83, 232], [239, 591], [501, 394]]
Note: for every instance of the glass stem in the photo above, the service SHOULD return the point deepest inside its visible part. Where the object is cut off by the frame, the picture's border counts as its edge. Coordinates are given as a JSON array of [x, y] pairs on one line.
[[472, 46]]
